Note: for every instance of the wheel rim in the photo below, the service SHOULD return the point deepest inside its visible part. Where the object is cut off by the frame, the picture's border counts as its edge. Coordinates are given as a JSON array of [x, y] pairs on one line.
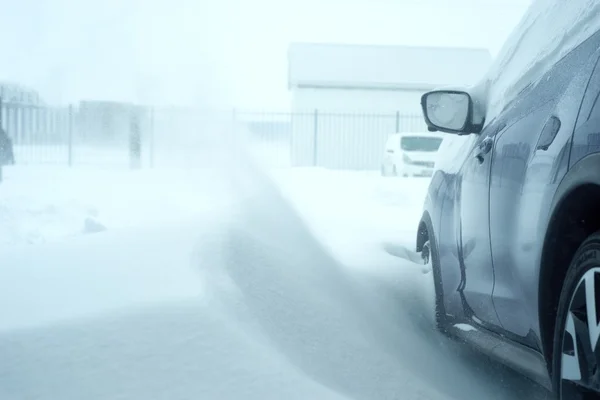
[[580, 366]]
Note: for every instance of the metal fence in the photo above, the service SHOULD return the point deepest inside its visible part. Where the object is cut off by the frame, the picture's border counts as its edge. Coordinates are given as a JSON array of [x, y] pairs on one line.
[[100, 133], [346, 141], [68, 135]]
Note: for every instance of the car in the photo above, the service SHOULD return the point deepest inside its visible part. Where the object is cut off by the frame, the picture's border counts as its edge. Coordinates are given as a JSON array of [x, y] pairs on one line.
[[512, 233], [410, 154]]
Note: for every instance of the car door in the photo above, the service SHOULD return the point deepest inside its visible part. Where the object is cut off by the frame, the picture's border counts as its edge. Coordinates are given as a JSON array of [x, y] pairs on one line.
[[475, 257], [530, 158]]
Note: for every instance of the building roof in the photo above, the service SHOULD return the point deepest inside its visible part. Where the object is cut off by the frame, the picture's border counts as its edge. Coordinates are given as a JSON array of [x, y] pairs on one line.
[[384, 67]]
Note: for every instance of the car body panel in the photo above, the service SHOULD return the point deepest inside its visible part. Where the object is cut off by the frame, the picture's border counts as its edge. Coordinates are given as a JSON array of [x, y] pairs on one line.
[[448, 238], [586, 139], [530, 160], [490, 216], [414, 170], [584, 172], [422, 156], [474, 248], [521, 358]]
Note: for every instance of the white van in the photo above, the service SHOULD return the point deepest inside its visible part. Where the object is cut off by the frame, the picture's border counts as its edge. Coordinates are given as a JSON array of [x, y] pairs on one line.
[[410, 154]]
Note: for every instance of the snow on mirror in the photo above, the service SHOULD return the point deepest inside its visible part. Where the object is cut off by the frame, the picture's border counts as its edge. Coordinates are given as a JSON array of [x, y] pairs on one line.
[[447, 111]]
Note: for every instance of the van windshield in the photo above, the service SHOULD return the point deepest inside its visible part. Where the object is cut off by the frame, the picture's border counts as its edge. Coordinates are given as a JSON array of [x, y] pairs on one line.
[[420, 143]]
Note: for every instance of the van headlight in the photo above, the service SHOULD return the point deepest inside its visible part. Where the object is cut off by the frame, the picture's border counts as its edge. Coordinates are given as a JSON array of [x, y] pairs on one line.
[[406, 160]]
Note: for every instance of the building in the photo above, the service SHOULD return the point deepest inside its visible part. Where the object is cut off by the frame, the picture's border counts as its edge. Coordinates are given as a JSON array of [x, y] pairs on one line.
[[12, 93], [350, 97], [379, 79]]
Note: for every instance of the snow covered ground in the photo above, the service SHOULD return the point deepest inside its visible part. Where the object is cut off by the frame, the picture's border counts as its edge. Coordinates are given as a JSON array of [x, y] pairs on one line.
[[223, 284]]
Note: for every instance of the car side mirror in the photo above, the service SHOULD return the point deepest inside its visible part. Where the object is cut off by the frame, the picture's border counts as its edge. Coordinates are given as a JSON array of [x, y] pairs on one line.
[[447, 111]]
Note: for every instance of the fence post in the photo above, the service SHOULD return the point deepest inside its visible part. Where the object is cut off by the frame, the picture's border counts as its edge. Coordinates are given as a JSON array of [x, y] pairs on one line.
[[1, 128], [234, 129], [397, 122], [7, 118], [70, 135], [151, 128], [291, 138], [28, 123], [135, 142], [315, 137]]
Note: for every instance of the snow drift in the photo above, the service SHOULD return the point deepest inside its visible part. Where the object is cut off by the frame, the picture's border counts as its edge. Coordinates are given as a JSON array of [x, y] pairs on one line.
[[242, 301]]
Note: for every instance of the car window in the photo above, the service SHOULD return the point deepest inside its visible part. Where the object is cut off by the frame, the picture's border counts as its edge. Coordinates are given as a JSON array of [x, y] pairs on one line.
[[420, 143], [590, 106], [556, 80]]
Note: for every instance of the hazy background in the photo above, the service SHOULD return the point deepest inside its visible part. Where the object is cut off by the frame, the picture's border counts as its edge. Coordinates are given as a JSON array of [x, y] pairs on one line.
[[225, 53]]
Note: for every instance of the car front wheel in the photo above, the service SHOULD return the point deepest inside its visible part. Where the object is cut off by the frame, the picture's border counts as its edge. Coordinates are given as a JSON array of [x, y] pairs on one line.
[[576, 360], [430, 257]]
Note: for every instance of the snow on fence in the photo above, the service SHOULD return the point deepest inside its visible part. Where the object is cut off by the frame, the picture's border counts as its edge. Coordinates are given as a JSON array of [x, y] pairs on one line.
[[100, 133]]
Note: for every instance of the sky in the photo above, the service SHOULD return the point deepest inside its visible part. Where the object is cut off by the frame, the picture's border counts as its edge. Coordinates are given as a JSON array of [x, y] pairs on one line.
[[218, 53]]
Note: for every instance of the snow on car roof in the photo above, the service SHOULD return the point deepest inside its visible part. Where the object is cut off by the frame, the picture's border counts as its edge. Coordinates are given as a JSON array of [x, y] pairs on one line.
[[547, 32]]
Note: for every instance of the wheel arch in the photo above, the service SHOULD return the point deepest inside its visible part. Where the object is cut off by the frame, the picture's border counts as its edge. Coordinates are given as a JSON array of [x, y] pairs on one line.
[[573, 217]]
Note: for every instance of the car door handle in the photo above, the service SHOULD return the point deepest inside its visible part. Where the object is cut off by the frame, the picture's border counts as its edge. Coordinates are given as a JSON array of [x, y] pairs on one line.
[[484, 147]]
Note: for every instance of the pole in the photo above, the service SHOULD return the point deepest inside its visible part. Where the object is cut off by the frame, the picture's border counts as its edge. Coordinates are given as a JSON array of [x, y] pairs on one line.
[[315, 137], [70, 135], [2, 151], [151, 137], [135, 142]]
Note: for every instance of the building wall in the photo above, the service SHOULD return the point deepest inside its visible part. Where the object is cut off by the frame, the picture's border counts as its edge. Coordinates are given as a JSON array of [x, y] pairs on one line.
[[347, 129], [356, 100], [358, 92]]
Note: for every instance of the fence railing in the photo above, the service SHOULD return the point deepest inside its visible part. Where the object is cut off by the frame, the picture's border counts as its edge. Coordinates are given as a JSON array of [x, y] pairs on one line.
[[95, 133]]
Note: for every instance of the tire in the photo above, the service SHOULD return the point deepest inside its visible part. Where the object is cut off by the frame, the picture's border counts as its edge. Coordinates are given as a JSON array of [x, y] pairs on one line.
[[434, 257], [572, 334]]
